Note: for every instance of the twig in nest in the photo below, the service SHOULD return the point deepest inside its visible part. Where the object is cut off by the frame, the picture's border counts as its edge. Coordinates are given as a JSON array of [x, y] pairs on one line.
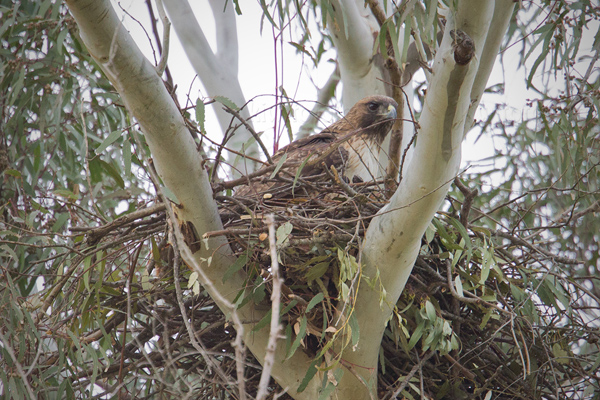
[[408, 377], [263, 385], [475, 299], [231, 231], [468, 374], [467, 203], [335, 177]]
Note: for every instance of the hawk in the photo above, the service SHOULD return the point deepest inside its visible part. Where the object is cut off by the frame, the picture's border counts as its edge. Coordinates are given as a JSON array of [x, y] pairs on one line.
[[351, 145]]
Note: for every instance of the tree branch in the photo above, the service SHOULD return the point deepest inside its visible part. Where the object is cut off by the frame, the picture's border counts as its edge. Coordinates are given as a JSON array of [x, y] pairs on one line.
[[218, 73], [275, 311], [353, 33], [164, 55], [177, 163], [503, 11], [392, 241], [251, 130]]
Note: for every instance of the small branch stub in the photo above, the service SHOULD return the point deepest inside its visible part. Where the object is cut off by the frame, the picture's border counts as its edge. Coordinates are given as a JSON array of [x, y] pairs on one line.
[[464, 47]]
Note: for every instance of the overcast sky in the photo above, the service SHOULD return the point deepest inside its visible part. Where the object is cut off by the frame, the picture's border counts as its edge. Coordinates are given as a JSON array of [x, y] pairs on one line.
[[257, 72]]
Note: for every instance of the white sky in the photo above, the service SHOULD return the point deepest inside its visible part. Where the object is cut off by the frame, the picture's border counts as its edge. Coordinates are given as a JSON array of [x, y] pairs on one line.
[[257, 72]]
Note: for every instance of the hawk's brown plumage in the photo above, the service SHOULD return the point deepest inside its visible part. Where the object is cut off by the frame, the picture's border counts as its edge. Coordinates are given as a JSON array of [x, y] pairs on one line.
[[350, 144]]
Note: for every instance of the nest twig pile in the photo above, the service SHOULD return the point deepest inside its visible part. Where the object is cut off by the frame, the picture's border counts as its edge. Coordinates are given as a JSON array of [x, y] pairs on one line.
[[479, 314], [492, 346], [318, 218]]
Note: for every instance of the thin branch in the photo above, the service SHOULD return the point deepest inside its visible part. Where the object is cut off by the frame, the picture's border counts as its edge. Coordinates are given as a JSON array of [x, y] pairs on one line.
[[164, 55], [408, 377], [467, 203], [574, 217], [157, 39], [6, 346], [123, 220], [523, 242], [251, 130], [275, 311], [335, 177]]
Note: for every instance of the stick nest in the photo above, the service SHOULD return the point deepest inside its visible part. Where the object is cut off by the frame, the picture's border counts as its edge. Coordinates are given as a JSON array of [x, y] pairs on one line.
[[448, 340]]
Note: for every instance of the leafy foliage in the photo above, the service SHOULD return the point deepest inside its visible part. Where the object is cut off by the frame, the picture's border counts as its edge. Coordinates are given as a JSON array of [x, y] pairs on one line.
[[503, 301]]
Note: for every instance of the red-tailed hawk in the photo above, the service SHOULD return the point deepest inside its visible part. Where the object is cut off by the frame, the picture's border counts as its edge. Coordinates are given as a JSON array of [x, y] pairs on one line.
[[351, 144]]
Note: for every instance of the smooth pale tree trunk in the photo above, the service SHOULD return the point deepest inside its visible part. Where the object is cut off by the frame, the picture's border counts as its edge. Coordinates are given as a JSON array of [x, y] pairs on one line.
[[394, 237], [392, 241], [177, 162]]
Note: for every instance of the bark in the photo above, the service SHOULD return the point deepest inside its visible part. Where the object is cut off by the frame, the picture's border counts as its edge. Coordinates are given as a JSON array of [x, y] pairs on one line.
[[218, 70], [393, 239], [178, 164], [353, 31]]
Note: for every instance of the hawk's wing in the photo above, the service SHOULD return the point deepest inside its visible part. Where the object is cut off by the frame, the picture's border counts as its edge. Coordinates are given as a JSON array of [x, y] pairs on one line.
[[296, 153]]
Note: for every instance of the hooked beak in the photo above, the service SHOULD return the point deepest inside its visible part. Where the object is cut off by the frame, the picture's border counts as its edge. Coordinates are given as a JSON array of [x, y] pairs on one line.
[[391, 112]]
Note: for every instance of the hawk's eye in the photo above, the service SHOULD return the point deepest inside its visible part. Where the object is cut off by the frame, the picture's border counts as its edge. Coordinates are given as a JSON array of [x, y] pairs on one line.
[[373, 106]]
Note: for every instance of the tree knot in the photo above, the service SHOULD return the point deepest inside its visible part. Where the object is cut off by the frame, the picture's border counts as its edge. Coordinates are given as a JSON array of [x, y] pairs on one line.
[[463, 46]]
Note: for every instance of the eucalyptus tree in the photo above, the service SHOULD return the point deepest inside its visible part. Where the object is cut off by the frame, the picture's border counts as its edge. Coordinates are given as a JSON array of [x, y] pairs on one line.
[[99, 155]]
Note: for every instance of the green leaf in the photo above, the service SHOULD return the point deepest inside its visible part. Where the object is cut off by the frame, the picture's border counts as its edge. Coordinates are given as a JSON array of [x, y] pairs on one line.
[[235, 267], [301, 334], [200, 114], [381, 39], [60, 40], [127, 158], [110, 139], [37, 206], [314, 301], [227, 102], [60, 222], [286, 113], [299, 170], [329, 388], [486, 264], [459, 286], [87, 262], [283, 233], [266, 13], [430, 310], [278, 166], [266, 320], [310, 373], [12, 172], [66, 193], [170, 195], [417, 334], [238, 10], [316, 271], [113, 173], [353, 323]]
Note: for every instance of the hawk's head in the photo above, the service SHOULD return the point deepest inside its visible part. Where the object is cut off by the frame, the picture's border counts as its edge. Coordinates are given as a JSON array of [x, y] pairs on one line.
[[373, 115], [371, 120]]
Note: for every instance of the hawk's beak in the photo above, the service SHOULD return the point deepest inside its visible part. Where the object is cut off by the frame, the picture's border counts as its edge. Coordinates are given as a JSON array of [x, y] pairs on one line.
[[391, 112]]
